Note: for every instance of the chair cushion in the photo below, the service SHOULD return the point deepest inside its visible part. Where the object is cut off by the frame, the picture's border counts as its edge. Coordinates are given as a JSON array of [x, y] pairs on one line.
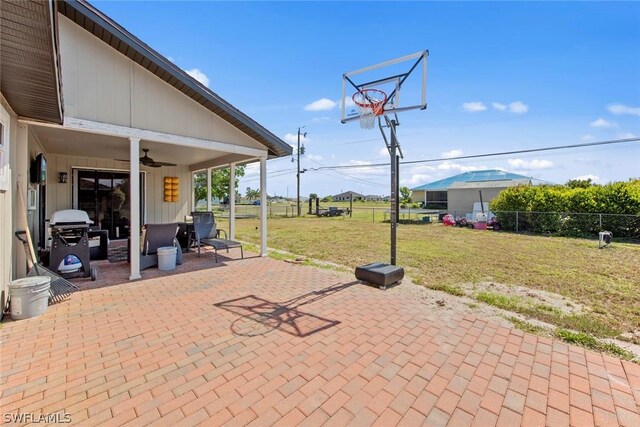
[[159, 235]]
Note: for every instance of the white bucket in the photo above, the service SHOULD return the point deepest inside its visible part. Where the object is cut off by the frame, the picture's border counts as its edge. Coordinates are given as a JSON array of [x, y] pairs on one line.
[[29, 297], [167, 258], [482, 217]]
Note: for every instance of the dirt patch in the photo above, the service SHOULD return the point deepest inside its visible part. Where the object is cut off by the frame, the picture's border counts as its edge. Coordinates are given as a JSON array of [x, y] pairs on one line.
[[528, 295]]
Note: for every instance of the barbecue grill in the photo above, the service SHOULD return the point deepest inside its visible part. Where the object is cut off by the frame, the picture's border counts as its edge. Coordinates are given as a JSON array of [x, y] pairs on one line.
[[70, 253]]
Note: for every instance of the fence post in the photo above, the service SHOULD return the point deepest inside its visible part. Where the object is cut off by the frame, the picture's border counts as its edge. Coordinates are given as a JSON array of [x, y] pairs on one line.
[[517, 221], [373, 210], [600, 217]]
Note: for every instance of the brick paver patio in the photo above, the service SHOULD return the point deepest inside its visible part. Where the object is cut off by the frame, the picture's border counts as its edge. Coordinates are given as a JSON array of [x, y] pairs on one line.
[[264, 342]]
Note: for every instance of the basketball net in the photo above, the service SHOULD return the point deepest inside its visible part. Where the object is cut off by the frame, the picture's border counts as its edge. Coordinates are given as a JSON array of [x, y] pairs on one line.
[[370, 103]]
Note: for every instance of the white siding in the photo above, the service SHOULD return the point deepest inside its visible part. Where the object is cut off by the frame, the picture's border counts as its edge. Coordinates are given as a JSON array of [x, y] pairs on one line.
[[9, 245], [103, 85], [461, 200], [59, 196]]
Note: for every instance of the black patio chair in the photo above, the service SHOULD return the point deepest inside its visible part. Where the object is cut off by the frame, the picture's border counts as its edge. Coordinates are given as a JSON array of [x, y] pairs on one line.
[[205, 232], [156, 236]]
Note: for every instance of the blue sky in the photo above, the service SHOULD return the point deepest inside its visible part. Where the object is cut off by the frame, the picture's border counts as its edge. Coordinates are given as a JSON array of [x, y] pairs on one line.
[[502, 76]]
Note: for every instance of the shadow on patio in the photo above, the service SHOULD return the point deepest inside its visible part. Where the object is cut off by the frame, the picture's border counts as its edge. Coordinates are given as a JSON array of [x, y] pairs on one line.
[[259, 316]]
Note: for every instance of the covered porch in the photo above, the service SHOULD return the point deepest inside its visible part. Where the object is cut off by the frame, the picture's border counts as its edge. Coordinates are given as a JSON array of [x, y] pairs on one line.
[[83, 151]]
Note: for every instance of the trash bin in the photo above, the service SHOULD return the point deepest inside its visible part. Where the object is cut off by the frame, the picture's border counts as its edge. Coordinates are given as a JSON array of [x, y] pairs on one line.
[[426, 219], [29, 297], [167, 258]]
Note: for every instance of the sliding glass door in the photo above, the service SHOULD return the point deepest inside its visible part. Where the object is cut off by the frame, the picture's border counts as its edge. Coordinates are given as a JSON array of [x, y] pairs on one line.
[[104, 195]]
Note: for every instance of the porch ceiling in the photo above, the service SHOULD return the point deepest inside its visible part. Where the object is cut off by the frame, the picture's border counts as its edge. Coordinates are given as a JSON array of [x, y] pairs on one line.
[[28, 59], [82, 144]]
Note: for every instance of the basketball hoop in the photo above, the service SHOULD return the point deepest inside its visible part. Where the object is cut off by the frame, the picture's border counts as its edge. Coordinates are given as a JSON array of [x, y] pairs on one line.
[[370, 102]]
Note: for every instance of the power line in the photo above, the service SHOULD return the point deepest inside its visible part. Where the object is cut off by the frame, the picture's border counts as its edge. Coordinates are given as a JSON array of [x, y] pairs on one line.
[[343, 174], [477, 156]]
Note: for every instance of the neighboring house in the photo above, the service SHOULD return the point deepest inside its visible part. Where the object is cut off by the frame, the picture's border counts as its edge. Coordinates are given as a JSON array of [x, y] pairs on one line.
[[458, 193], [373, 198], [346, 196], [83, 91]]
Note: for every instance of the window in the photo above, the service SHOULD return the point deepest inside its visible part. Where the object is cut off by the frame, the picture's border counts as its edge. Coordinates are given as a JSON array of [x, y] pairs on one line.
[[5, 175]]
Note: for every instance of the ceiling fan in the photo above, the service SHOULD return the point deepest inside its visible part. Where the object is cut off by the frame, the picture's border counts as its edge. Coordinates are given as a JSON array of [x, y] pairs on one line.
[[148, 161]]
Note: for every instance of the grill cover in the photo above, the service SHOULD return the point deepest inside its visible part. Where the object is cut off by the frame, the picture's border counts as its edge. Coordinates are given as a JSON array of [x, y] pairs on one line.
[[73, 216]]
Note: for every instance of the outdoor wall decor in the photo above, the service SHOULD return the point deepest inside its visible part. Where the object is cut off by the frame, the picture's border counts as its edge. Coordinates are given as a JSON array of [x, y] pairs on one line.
[[171, 189]]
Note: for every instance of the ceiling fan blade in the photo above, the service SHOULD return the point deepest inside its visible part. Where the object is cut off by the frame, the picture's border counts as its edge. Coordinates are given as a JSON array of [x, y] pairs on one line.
[[152, 165], [165, 164], [121, 160]]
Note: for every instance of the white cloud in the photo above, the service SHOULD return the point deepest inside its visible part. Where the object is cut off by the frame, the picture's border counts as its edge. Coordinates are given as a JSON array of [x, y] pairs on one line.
[[451, 166], [252, 169], [498, 106], [384, 152], [416, 179], [587, 138], [594, 178], [533, 164], [322, 104], [197, 74], [602, 123], [474, 107], [618, 109], [314, 157], [626, 135], [292, 138], [452, 153], [518, 107]]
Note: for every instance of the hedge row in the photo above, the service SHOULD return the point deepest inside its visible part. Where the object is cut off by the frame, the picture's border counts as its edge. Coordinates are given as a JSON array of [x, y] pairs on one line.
[[619, 198]]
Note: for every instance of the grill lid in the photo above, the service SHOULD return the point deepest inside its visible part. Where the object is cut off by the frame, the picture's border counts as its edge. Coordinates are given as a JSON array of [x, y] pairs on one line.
[[70, 216]]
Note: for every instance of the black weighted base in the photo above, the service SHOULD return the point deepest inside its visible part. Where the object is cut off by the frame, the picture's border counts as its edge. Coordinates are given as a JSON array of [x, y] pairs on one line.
[[380, 274]]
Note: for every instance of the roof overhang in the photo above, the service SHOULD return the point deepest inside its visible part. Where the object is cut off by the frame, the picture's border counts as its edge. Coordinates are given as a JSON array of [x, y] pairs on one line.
[[29, 59], [104, 28]]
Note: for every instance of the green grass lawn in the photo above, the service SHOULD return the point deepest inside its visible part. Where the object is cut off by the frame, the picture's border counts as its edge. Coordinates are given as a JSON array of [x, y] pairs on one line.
[[606, 281]]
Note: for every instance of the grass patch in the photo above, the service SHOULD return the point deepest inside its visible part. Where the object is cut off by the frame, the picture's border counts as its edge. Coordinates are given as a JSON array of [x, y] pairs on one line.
[[588, 323], [450, 289], [526, 326], [590, 342]]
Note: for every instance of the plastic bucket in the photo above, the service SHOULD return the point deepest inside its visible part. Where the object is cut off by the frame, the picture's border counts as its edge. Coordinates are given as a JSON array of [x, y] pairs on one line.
[[167, 258], [29, 297]]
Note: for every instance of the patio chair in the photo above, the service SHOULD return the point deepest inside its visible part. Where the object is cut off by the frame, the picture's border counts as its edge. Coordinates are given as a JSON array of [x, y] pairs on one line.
[[205, 232], [156, 236]]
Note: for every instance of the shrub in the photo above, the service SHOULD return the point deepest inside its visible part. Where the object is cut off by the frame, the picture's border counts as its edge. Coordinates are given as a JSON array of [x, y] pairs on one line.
[[541, 208]]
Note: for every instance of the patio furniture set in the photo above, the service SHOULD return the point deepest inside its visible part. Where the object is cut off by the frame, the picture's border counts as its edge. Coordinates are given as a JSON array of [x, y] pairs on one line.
[[202, 231]]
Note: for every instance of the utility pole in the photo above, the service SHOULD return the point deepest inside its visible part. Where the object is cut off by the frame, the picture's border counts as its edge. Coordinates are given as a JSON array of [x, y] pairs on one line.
[[298, 174]]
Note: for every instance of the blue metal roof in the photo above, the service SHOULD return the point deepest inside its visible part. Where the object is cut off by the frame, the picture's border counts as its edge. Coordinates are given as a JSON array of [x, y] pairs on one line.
[[472, 176]]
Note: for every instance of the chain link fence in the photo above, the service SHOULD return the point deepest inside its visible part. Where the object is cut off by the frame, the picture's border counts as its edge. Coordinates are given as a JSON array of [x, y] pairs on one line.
[[571, 224]]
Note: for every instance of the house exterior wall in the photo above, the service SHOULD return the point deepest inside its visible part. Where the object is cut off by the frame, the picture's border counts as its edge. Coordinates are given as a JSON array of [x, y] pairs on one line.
[[8, 246], [102, 85], [60, 196], [417, 195], [461, 200]]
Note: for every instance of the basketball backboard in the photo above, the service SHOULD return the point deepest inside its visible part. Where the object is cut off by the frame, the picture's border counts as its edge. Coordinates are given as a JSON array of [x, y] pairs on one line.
[[406, 75]]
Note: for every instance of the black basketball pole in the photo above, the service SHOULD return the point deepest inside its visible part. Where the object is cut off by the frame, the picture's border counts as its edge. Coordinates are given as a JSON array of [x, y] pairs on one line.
[[394, 189]]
